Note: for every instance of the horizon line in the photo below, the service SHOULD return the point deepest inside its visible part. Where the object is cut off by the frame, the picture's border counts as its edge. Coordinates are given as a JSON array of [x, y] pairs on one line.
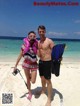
[[20, 38]]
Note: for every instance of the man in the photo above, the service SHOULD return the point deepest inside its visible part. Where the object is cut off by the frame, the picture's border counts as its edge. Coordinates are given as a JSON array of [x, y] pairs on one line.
[[45, 46]]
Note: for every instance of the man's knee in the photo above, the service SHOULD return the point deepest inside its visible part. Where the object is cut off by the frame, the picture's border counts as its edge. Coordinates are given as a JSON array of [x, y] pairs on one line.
[[48, 81], [42, 78]]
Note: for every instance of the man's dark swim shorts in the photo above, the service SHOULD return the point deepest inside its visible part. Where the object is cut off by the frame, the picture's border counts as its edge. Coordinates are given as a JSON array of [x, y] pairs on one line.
[[45, 69]]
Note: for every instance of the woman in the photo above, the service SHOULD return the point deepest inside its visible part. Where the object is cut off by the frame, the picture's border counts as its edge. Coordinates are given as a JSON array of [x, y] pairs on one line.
[[28, 52]]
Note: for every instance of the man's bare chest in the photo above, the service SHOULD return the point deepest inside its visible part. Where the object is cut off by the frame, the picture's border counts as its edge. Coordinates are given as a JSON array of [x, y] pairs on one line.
[[44, 45]]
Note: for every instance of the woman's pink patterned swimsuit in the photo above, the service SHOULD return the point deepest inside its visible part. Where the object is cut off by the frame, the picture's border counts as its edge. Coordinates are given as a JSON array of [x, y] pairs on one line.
[[30, 59]]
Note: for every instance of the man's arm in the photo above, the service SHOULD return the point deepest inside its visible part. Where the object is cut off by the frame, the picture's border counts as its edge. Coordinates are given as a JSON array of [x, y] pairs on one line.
[[38, 51], [51, 44]]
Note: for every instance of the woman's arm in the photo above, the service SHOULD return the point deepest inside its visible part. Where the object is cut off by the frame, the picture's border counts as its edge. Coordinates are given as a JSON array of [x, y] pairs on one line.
[[18, 59]]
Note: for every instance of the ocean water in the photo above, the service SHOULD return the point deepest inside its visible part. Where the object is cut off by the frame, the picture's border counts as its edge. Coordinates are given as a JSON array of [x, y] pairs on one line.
[[9, 50], [72, 50]]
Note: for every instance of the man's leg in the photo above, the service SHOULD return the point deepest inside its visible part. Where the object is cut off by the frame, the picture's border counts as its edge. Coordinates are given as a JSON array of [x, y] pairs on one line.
[[41, 73], [49, 89], [43, 82]]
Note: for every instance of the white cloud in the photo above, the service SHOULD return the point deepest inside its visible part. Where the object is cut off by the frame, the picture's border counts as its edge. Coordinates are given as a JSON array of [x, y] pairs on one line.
[[77, 21], [57, 33], [77, 33]]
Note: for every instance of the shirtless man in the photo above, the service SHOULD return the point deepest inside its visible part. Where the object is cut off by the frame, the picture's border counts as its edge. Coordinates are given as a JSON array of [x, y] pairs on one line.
[[45, 46]]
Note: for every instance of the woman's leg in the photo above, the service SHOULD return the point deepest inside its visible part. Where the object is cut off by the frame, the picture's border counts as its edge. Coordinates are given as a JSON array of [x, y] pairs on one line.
[[28, 77], [33, 76]]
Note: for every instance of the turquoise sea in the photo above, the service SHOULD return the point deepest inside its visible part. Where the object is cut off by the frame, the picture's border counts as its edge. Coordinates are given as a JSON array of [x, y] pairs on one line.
[[9, 49]]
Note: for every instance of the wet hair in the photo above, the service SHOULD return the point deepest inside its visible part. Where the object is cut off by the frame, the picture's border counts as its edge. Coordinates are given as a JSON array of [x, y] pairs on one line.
[[42, 27], [31, 32]]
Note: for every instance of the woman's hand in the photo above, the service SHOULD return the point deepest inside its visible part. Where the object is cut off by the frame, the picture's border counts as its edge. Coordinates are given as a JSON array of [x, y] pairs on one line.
[[14, 69], [31, 51]]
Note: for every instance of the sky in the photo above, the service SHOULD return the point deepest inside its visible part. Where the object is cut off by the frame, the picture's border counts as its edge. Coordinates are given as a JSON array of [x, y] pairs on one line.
[[62, 20]]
